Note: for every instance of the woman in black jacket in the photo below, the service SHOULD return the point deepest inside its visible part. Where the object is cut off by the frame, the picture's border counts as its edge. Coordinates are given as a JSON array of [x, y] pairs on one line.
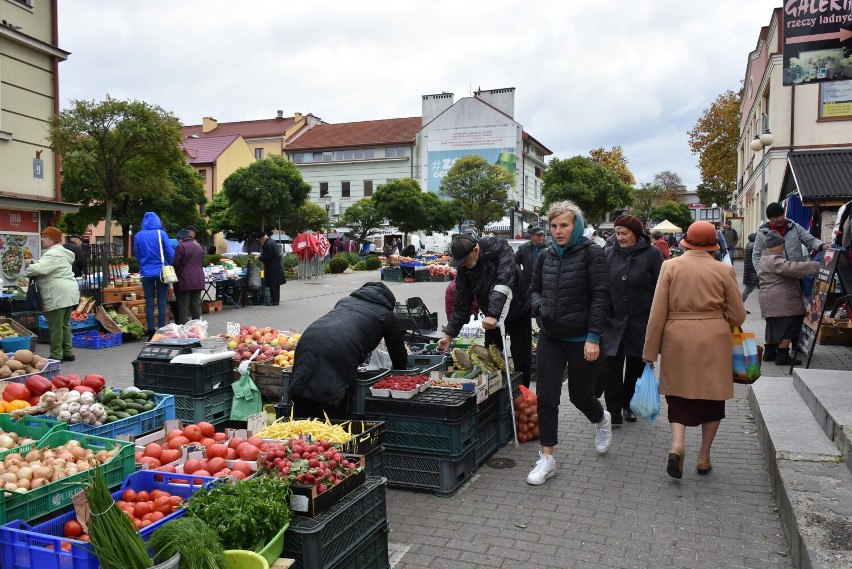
[[749, 272], [570, 295], [273, 271], [634, 266]]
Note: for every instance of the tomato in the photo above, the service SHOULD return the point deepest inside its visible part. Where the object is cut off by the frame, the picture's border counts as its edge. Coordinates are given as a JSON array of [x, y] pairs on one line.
[[72, 528], [142, 508], [167, 468], [65, 546], [178, 441], [129, 495], [142, 496], [232, 454], [177, 500], [169, 455], [164, 504], [207, 429], [233, 443], [241, 466], [84, 537], [174, 433], [206, 442], [152, 463], [157, 516], [193, 433], [191, 466], [219, 437], [237, 474], [214, 465], [153, 450], [217, 451]]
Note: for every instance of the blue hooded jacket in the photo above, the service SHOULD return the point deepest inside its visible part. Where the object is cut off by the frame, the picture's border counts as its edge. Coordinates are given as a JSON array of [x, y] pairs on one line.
[[146, 248]]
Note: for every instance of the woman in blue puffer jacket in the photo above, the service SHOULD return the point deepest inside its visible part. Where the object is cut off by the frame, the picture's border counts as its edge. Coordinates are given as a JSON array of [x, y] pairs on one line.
[[146, 247]]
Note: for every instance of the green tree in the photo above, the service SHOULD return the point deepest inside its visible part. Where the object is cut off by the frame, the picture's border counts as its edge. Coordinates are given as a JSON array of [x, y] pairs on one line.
[[592, 187], [615, 161], [363, 219], [714, 139], [114, 148], [714, 190], [307, 217], [479, 190], [677, 213], [645, 198], [399, 202], [439, 215]]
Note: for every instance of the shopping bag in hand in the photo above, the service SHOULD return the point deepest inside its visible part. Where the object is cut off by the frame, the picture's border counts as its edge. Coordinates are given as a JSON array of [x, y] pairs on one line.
[[746, 357], [646, 399]]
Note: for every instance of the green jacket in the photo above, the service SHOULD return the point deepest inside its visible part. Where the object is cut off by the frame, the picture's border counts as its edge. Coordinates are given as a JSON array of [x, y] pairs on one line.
[[55, 279]]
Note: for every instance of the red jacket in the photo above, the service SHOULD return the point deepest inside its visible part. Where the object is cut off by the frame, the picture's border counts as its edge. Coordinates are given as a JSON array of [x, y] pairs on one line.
[[664, 248], [450, 299]]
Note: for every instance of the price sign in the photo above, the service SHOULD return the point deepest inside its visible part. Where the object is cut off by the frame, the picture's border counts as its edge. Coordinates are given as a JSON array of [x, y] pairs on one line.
[[81, 507], [256, 423], [233, 328]]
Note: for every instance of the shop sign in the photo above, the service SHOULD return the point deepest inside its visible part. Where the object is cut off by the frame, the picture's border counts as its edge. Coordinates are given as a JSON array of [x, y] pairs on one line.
[[18, 221], [816, 33]]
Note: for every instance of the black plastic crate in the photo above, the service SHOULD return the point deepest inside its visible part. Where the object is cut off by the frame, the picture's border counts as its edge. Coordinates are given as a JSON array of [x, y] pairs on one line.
[[214, 407], [372, 553], [334, 536], [505, 404], [445, 404], [504, 421], [429, 361], [487, 410], [28, 319], [441, 476], [180, 379], [447, 439], [376, 462], [488, 441]]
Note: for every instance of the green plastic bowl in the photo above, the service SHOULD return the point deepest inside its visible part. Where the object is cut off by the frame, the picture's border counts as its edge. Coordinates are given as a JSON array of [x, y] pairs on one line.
[[273, 549], [240, 559]]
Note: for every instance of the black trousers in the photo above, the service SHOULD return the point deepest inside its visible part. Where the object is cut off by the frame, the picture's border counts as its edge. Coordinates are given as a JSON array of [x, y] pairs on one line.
[[520, 334], [275, 295], [551, 357], [621, 380], [307, 409]]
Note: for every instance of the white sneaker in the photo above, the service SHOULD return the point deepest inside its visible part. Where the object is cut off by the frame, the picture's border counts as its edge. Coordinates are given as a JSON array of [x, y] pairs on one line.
[[603, 434], [544, 469]]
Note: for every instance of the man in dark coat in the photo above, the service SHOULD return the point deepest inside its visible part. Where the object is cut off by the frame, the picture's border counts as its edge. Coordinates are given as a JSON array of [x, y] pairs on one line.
[[332, 347], [273, 271], [78, 267], [528, 253], [483, 264]]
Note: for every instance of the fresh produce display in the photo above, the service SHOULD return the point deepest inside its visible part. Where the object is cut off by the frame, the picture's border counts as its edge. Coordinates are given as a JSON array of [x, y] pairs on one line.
[[401, 382], [13, 439], [6, 331], [14, 405], [300, 462], [197, 543], [79, 316], [20, 363], [143, 508], [245, 515], [91, 383], [274, 347], [285, 429], [440, 270], [126, 403], [40, 466], [125, 325], [445, 383], [69, 405]]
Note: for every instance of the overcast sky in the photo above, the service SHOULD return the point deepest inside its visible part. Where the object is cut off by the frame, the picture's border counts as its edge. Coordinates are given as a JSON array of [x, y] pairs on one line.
[[587, 74]]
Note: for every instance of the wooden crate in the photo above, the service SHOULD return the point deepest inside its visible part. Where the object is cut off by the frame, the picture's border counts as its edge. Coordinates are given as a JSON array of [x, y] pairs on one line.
[[103, 318], [119, 294]]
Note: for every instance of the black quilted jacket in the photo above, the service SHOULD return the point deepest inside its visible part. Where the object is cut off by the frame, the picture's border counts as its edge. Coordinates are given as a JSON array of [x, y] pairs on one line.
[[571, 294]]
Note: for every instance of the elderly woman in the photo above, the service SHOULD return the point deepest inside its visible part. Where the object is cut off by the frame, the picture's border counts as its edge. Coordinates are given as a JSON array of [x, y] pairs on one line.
[[570, 296], [58, 289], [634, 266], [696, 305], [189, 267]]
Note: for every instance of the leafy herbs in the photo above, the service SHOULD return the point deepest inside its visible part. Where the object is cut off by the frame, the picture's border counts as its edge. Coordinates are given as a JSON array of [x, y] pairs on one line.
[[246, 514], [125, 325], [197, 543]]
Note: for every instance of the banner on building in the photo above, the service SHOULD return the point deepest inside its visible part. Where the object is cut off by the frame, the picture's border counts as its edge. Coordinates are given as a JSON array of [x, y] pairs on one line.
[[817, 41], [14, 249], [498, 145]]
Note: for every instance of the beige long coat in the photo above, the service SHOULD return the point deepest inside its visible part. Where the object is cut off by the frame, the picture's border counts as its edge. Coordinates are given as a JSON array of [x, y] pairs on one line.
[[696, 304]]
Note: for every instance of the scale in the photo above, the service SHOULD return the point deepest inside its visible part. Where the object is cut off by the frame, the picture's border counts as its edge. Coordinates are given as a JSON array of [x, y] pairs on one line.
[[168, 348]]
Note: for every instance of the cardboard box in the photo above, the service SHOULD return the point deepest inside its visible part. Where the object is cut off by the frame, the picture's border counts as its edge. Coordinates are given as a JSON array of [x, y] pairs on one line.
[[305, 501], [495, 382], [478, 384], [834, 336]]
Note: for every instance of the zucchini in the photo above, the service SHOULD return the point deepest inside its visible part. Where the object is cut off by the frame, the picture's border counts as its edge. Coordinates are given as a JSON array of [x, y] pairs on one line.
[[134, 407], [121, 415], [129, 394], [149, 406], [132, 412], [119, 404]]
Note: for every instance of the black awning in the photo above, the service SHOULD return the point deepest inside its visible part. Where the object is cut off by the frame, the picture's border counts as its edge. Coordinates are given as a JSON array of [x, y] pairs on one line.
[[819, 175]]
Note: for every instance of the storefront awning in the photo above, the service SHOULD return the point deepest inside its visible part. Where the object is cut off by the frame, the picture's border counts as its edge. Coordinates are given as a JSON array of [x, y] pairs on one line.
[[819, 175]]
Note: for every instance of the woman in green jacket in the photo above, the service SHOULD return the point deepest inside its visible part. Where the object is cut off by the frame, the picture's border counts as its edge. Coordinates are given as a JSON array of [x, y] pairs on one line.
[[58, 290]]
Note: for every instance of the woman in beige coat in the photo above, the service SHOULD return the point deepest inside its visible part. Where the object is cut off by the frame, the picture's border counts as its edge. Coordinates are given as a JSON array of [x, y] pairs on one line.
[[696, 304]]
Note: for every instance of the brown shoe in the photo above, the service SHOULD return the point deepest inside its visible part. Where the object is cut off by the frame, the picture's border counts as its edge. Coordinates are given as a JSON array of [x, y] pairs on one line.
[[703, 466], [674, 467]]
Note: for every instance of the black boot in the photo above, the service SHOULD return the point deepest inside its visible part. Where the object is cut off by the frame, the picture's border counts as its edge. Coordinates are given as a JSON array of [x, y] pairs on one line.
[[784, 358], [769, 352], [151, 335]]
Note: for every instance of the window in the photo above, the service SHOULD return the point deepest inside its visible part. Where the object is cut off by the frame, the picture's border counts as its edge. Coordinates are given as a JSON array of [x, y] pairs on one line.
[[344, 189], [297, 157], [323, 189], [338, 155], [327, 156], [359, 154], [258, 153], [369, 153], [203, 173], [396, 152], [368, 188], [317, 157], [348, 155], [538, 172]]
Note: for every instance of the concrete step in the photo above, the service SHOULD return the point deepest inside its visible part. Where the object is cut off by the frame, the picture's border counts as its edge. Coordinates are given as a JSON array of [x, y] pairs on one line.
[[828, 395], [813, 488]]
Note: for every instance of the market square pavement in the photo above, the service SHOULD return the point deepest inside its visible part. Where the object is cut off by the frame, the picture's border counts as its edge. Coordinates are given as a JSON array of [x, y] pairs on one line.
[[618, 510]]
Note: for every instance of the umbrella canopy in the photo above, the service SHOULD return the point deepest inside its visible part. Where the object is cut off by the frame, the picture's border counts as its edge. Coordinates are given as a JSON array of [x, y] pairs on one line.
[[666, 226]]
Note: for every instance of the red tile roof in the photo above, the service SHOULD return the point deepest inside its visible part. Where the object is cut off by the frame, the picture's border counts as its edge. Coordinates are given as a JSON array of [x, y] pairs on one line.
[[263, 128], [365, 133], [207, 149]]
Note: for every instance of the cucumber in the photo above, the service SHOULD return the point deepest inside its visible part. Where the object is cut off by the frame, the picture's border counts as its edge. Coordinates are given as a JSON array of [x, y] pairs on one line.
[[134, 407], [119, 404], [108, 395], [132, 412], [475, 372], [129, 394], [150, 406], [110, 419], [121, 415], [148, 394]]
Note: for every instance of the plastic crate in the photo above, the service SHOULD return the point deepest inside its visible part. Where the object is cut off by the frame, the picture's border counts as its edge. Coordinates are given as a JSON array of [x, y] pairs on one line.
[[22, 331], [40, 546], [56, 495], [436, 362], [487, 443], [325, 541], [488, 410], [363, 381], [13, 344], [445, 404], [504, 423], [504, 403], [94, 340], [87, 323], [440, 475], [376, 462], [43, 336], [144, 422], [180, 379], [33, 427], [392, 274], [448, 439], [372, 553], [49, 371], [28, 319], [215, 407]]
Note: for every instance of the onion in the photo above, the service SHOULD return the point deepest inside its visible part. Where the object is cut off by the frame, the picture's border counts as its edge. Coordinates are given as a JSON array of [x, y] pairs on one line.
[[82, 465], [78, 452], [69, 470], [67, 456], [9, 478], [37, 483], [11, 486], [32, 456], [102, 456], [58, 462], [72, 443], [25, 484], [41, 472], [6, 441], [14, 456], [25, 473]]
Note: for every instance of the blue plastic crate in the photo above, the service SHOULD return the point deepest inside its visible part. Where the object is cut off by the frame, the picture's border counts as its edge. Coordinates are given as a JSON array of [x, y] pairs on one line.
[[40, 546], [87, 322], [95, 341], [11, 345], [144, 422]]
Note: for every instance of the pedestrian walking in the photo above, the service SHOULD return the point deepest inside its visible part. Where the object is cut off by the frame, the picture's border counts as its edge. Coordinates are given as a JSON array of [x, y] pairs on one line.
[[634, 266], [189, 267], [153, 249], [570, 296], [731, 238], [58, 290], [749, 272], [780, 298], [696, 305], [661, 244], [528, 252], [273, 271]]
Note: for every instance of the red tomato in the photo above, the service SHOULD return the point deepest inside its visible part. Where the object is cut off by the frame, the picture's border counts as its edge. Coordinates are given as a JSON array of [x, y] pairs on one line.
[[153, 450], [169, 455], [142, 496], [256, 441], [207, 429], [206, 442], [249, 452], [129, 495], [193, 433], [157, 516], [241, 466], [232, 454], [167, 468], [218, 437], [214, 465], [233, 443], [178, 441], [177, 500], [72, 528], [163, 505], [174, 433], [217, 451], [191, 466], [142, 508], [237, 474], [152, 463]]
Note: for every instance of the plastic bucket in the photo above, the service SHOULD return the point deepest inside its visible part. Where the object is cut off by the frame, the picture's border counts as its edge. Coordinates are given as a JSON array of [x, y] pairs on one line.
[[240, 559], [273, 549]]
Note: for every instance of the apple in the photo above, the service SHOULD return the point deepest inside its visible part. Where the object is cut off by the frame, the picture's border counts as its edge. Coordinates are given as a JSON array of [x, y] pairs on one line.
[[232, 345], [252, 330], [274, 342]]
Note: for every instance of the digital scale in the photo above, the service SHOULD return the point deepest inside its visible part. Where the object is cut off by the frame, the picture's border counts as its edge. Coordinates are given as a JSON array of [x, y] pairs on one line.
[[168, 348]]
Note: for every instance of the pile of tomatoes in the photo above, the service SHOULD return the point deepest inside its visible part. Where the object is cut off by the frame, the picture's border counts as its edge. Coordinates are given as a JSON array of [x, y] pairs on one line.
[[144, 508]]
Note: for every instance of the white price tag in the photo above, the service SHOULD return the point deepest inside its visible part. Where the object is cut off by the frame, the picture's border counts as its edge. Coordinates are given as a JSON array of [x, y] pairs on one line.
[[256, 423], [233, 328]]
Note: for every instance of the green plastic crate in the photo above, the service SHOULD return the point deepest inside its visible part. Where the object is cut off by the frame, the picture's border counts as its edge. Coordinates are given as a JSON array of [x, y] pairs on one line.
[[215, 407], [56, 495], [29, 426]]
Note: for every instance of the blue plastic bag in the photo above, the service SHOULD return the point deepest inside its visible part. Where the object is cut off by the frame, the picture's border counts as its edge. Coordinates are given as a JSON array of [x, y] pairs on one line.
[[646, 399]]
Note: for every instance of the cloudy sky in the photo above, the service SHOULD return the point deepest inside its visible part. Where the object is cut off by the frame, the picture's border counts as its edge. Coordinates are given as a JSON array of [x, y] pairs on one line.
[[587, 74]]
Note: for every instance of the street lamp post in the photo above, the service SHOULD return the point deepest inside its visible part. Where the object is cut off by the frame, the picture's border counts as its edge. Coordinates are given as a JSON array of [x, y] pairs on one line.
[[760, 142], [327, 209]]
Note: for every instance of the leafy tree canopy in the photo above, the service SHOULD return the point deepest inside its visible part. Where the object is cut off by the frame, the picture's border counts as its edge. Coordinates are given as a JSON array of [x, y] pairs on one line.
[[363, 219], [714, 139], [440, 215], [677, 213], [645, 198], [592, 187], [400, 203], [615, 161], [307, 217], [479, 190], [713, 190]]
